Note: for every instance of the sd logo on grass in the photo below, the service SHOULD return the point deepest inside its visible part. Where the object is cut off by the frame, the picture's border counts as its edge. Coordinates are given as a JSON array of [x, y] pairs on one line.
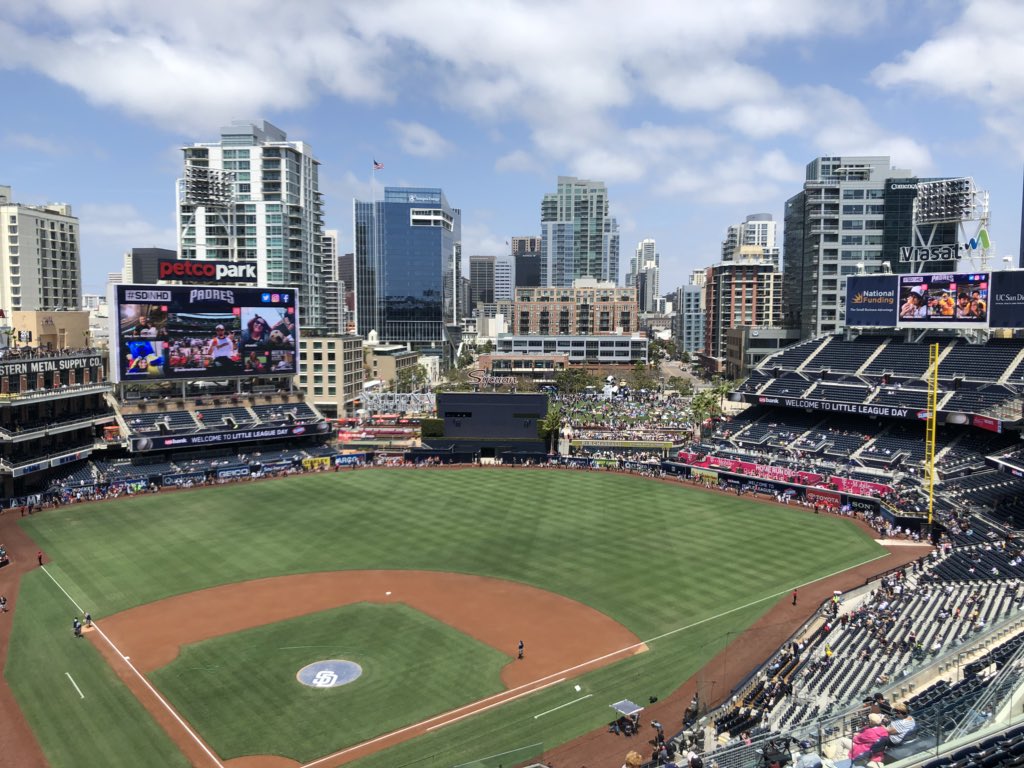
[[329, 674]]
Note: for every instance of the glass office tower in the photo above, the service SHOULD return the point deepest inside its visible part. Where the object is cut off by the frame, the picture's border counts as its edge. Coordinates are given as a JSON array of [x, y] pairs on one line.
[[407, 254]]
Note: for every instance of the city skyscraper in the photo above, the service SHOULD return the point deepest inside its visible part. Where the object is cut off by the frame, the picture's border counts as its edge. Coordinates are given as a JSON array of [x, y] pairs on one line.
[[838, 226], [757, 229], [688, 322], [408, 252], [578, 236], [254, 196], [644, 275], [504, 280], [334, 287], [743, 288], [526, 244], [481, 280], [40, 263]]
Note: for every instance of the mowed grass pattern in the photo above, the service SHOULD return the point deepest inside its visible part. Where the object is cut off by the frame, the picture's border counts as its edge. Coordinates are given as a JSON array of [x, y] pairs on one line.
[[413, 667], [655, 556]]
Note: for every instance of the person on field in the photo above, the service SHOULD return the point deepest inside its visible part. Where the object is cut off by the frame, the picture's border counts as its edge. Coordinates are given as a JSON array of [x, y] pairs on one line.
[[522, 649]]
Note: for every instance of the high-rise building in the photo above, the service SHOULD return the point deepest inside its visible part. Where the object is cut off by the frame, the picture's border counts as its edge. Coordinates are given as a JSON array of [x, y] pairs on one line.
[[756, 229], [254, 197], [746, 290], [688, 322], [142, 265], [527, 271], [523, 245], [698, 277], [852, 215], [408, 252], [644, 275], [40, 265], [578, 236], [481, 280], [334, 287], [504, 281], [588, 307]]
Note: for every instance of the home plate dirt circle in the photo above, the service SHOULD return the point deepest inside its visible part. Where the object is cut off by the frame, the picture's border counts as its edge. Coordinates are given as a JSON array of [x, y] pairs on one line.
[[562, 636]]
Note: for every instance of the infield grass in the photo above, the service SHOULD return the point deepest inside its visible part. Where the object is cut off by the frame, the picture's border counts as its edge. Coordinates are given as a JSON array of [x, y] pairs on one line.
[[654, 556], [413, 667]]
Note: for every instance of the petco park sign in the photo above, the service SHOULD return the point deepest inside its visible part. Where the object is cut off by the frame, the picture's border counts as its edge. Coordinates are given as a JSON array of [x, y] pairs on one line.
[[192, 271]]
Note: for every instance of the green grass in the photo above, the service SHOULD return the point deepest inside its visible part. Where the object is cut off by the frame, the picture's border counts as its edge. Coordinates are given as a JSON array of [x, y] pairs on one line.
[[654, 556], [212, 683], [109, 722]]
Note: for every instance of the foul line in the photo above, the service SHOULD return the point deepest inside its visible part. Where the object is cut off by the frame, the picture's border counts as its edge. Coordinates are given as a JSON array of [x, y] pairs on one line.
[[500, 754], [575, 667], [80, 694], [496, 704], [503, 695], [555, 709], [168, 707]]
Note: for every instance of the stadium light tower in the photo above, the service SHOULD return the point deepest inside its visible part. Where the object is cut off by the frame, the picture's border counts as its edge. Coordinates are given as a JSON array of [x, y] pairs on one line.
[[951, 201]]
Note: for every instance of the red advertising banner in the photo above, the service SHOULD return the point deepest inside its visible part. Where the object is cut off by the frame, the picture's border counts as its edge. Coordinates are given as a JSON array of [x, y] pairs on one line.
[[860, 487], [985, 422], [828, 498]]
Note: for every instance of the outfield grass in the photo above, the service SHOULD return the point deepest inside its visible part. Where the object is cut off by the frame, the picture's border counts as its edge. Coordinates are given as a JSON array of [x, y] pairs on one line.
[[654, 556], [413, 667]]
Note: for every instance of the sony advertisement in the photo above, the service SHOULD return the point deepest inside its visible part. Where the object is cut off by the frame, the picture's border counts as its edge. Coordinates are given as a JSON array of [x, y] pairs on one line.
[[945, 300], [871, 301], [191, 332]]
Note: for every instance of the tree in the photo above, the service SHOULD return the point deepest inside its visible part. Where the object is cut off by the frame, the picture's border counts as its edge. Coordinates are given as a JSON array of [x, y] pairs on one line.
[[642, 377], [550, 426], [573, 380], [411, 379], [681, 384], [706, 404], [684, 357]]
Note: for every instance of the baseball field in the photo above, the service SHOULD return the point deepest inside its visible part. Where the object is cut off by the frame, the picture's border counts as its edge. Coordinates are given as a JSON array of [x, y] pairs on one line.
[[211, 603]]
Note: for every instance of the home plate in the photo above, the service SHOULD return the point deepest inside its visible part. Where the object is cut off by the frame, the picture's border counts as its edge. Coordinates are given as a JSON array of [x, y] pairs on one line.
[[387, 593]]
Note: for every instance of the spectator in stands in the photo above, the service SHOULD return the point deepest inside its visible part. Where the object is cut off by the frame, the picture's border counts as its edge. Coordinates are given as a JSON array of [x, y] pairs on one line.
[[901, 726], [862, 743]]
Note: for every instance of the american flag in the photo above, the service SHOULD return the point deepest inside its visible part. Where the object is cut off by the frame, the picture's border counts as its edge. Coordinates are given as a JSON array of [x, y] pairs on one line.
[[378, 166]]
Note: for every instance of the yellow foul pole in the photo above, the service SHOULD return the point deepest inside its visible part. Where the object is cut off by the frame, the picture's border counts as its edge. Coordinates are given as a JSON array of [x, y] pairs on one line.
[[932, 425]]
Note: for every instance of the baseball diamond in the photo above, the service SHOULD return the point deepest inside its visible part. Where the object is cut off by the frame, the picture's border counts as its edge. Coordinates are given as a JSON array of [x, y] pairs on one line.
[[621, 585]]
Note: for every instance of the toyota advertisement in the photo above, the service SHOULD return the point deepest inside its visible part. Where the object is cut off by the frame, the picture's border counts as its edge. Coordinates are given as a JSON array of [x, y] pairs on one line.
[[202, 332]]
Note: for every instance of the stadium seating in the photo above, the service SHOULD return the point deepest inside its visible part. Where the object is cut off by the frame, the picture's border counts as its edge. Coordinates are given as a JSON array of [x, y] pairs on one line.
[[986, 362], [174, 421], [221, 418], [844, 356]]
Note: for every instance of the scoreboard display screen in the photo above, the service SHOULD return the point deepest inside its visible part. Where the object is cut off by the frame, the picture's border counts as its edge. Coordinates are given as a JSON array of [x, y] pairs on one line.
[[203, 332]]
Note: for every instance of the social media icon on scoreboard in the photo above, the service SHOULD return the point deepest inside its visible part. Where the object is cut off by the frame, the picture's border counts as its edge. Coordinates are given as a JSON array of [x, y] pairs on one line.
[[275, 298], [265, 297]]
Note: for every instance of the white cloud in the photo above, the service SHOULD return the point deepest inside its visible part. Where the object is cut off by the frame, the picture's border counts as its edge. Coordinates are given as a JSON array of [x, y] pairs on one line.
[[33, 143], [521, 161], [479, 240], [975, 59], [420, 140]]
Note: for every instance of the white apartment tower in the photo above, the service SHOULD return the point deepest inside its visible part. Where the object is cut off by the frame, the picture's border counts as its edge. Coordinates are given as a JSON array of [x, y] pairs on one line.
[[578, 236], [644, 275], [40, 265], [255, 197]]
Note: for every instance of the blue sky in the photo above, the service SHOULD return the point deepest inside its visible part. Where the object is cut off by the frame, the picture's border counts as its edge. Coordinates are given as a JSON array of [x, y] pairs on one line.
[[694, 114]]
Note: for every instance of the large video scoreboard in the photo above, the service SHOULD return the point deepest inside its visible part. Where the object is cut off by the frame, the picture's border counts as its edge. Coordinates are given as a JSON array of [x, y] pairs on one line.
[[202, 332], [937, 300]]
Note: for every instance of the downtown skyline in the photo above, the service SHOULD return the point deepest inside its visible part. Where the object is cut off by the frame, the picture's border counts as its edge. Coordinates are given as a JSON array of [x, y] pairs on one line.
[[692, 120]]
